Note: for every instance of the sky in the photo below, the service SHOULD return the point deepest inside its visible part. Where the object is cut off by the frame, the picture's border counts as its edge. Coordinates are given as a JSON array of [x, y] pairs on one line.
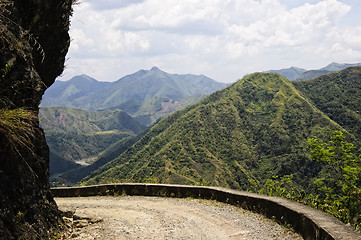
[[222, 39]]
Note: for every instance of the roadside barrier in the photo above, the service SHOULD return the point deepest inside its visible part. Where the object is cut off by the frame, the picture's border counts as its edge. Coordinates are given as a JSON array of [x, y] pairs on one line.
[[312, 224]]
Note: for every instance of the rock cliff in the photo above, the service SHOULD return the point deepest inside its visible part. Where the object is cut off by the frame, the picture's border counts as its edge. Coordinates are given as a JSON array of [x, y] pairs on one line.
[[33, 43]]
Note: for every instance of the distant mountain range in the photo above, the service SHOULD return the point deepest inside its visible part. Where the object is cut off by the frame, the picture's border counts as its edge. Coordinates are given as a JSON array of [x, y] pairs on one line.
[[242, 135], [236, 137], [87, 121], [298, 74], [146, 94]]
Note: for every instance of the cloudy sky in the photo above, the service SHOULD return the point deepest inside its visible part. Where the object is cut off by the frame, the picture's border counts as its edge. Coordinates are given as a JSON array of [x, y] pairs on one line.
[[222, 39]]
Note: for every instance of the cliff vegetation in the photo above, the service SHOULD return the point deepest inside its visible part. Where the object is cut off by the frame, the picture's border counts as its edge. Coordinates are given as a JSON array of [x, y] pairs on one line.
[[33, 42]]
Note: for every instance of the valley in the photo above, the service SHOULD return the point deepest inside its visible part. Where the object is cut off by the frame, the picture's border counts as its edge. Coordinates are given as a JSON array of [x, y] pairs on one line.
[[264, 141], [254, 129], [81, 134], [247, 136]]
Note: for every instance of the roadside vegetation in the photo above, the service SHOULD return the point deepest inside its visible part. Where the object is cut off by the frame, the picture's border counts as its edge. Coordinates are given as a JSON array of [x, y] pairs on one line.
[[337, 190]]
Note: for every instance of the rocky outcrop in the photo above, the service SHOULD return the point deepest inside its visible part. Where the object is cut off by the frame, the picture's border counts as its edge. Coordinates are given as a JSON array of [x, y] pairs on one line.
[[33, 43]]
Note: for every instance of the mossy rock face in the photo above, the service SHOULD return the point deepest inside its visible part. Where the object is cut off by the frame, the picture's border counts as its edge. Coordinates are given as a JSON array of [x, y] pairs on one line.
[[33, 42]]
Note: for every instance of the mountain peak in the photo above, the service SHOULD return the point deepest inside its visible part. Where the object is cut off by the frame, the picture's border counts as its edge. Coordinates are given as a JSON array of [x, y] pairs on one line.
[[155, 69], [82, 78], [339, 66]]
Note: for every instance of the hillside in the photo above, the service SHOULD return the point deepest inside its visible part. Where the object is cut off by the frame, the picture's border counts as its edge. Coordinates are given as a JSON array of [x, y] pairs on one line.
[[155, 108], [78, 136], [338, 96], [237, 137], [311, 74], [71, 175]]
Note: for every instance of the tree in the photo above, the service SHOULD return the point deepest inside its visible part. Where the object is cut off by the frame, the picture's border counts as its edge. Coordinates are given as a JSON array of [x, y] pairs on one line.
[[339, 191]]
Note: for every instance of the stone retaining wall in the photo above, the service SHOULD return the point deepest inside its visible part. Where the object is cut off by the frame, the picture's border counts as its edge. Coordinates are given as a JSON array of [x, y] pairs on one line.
[[310, 223]]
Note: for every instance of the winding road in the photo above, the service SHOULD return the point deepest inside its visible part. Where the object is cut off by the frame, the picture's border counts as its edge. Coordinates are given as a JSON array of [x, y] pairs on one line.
[[136, 217]]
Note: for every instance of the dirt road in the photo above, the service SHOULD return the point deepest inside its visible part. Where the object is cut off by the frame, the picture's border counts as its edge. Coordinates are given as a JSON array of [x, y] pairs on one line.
[[163, 218]]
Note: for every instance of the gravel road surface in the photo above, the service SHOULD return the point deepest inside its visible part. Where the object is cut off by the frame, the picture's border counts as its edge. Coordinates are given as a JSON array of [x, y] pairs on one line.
[[132, 217]]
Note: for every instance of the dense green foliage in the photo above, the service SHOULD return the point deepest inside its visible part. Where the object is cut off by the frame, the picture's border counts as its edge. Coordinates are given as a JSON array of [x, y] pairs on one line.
[[338, 96], [237, 138], [338, 187]]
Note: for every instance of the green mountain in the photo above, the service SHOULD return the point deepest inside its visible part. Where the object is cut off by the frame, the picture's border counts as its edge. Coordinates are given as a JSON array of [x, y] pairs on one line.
[[146, 95], [77, 136], [338, 96], [236, 137]]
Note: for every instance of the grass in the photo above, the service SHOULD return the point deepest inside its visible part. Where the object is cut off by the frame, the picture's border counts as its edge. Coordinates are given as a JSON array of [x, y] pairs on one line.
[[17, 126]]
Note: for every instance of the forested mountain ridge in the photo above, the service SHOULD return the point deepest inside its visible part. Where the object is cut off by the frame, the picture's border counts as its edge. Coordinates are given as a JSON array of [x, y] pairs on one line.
[[338, 96], [236, 137]]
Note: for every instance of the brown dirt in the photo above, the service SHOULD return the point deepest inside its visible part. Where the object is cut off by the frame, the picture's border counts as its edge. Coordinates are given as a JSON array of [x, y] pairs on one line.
[[163, 218]]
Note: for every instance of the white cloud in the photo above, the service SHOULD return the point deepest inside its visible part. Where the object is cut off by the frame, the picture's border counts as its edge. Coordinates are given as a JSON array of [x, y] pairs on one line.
[[223, 38], [112, 4]]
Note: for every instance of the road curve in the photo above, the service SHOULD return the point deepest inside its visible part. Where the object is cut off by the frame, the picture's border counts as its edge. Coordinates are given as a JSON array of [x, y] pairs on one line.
[[138, 217]]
